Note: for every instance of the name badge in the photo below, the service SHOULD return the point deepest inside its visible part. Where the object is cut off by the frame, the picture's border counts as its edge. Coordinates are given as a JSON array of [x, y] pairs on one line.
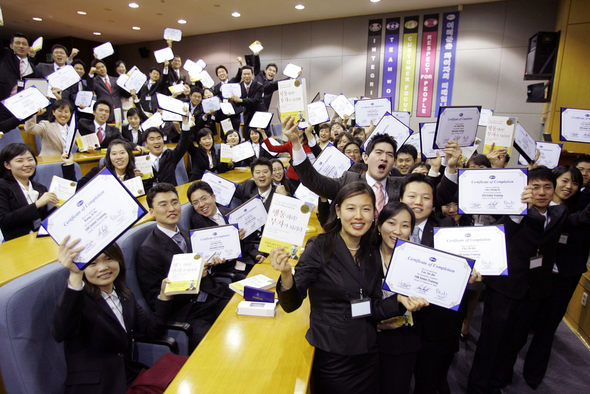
[[563, 239], [536, 262], [148, 98], [20, 83], [360, 308]]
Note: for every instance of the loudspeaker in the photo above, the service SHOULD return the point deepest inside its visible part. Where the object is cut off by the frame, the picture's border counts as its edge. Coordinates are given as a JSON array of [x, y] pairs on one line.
[[542, 53], [539, 92], [144, 52]]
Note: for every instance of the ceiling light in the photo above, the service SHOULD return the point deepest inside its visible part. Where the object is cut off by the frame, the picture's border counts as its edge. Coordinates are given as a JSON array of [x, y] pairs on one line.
[[181, 21], [375, 1], [133, 5], [97, 33], [136, 28], [81, 12], [36, 18], [299, 7], [235, 14]]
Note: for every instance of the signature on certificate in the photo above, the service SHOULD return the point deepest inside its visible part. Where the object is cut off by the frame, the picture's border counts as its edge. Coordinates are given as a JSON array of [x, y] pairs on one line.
[[423, 289], [508, 204], [474, 205], [403, 285], [441, 294]]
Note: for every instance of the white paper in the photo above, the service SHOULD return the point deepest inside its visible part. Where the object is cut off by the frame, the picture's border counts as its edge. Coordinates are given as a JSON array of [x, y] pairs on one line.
[[272, 142], [135, 186], [304, 194], [218, 241], [153, 121], [499, 131], [418, 271], [227, 109], [206, 79], [172, 34], [229, 90], [63, 188], [456, 124], [168, 116], [226, 125], [192, 68], [145, 166], [177, 88], [485, 116], [414, 140], [90, 108], [37, 44], [222, 188], [293, 99], [103, 50], [524, 143], [484, 244], [171, 104], [342, 106], [549, 157], [371, 110], [211, 104], [70, 136], [575, 124], [84, 98], [26, 103], [225, 153], [87, 142], [260, 120], [391, 126], [135, 81], [242, 151], [41, 85], [328, 98], [402, 116], [256, 47], [317, 113], [332, 163], [63, 78], [492, 191], [249, 216], [163, 54], [292, 71]]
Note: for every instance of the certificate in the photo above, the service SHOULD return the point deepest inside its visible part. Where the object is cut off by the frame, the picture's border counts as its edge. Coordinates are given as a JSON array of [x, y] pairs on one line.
[[286, 225], [524, 143], [226, 125], [172, 34], [427, 131], [242, 151], [304, 194], [413, 140], [575, 125], [63, 78], [37, 44], [84, 98], [292, 71], [293, 99], [135, 81], [163, 54], [171, 104], [485, 116], [229, 90], [177, 88], [500, 133], [391, 126], [256, 47], [193, 68], [249, 216], [550, 154], [25, 103], [211, 104], [103, 50], [135, 186], [486, 245], [332, 163], [87, 142], [153, 121], [227, 109], [92, 216], [456, 124], [317, 113], [89, 109], [144, 165], [63, 189], [342, 106], [492, 191], [260, 120], [419, 271], [402, 116], [371, 110], [328, 98], [222, 188], [206, 79], [168, 116], [225, 155], [41, 85], [218, 241]]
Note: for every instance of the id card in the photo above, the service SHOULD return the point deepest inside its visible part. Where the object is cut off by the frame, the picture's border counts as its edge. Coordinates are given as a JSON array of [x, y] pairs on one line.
[[563, 239], [536, 261], [360, 308]]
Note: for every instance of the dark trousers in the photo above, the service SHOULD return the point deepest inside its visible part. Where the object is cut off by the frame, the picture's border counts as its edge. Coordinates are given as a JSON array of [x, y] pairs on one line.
[[336, 373], [395, 372], [432, 366]]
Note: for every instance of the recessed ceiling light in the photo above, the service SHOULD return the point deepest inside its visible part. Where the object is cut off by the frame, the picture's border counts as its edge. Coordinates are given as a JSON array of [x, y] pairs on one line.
[[36, 18], [181, 21], [375, 1], [299, 7], [97, 33], [136, 28], [235, 14], [133, 5], [81, 12]]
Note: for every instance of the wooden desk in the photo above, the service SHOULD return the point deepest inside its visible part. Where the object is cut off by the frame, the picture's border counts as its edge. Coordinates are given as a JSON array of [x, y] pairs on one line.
[[250, 354]]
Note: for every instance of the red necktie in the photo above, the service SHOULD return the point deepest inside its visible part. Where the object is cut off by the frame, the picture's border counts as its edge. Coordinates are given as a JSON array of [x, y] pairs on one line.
[[380, 197], [99, 134], [106, 82]]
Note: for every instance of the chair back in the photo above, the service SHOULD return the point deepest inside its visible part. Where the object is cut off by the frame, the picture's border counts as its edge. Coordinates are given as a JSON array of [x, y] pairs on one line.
[[10, 136], [180, 173], [46, 171]]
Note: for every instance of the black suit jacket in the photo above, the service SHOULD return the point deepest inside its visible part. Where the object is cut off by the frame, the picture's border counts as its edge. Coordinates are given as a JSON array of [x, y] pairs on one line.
[[329, 187], [98, 86], [172, 78], [147, 97], [572, 255], [44, 69], [251, 101], [111, 133], [16, 215], [97, 348], [10, 72], [200, 162], [332, 285], [248, 189], [170, 158], [127, 135], [71, 92]]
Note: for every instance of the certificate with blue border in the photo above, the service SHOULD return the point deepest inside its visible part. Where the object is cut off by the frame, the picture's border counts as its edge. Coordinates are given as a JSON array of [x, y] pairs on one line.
[[219, 241], [419, 271], [456, 124], [575, 125]]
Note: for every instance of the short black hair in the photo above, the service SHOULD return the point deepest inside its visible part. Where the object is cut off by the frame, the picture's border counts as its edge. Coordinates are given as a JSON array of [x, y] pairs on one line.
[[271, 65], [101, 101], [542, 173], [582, 159], [94, 62], [80, 62], [198, 185], [261, 161], [59, 46], [132, 112], [420, 164], [159, 188], [391, 209], [408, 149], [202, 133], [62, 104], [416, 177], [196, 89], [19, 35], [154, 69], [221, 66], [153, 130], [248, 68], [119, 62], [11, 151], [577, 177], [378, 139], [480, 160]]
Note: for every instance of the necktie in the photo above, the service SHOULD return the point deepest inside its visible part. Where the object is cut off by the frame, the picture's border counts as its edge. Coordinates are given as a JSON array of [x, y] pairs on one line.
[[106, 82], [179, 239], [416, 235], [22, 67], [380, 196], [156, 164], [99, 134], [247, 90]]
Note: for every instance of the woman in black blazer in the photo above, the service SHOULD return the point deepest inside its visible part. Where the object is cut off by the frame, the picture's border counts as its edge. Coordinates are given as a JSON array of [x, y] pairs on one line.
[[339, 268], [98, 319], [203, 157], [23, 202]]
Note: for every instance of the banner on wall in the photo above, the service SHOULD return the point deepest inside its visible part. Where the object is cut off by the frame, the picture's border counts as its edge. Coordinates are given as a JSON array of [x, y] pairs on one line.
[[390, 58], [373, 58], [446, 68], [408, 64], [427, 65]]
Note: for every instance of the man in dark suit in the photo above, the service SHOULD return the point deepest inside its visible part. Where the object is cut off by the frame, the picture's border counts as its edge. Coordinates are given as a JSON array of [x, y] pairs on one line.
[[104, 86], [59, 55], [175, 73], [251, 98], [582, 163], [147, 93], [104, 132], [153, 263], [223, 76], [71, 92]]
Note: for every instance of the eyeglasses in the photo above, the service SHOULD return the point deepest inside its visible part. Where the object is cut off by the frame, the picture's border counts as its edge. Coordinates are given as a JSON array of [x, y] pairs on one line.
[[202, 200]]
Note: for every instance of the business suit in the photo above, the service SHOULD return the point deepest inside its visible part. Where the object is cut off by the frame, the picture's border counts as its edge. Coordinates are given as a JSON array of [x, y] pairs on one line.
[[10, 75], [71, 92], [173, 78], [200, 162], [251, 100], [147, 96], [169, 159], [113, 96], [110, 133], [52, 142], [153, 263], [97, 348], [127, 135], [17, 216], [339, 338], [329, 187]]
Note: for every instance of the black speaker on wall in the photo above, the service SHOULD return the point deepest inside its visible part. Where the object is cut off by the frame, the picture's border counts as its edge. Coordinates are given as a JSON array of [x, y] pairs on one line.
[[144, 52], [539, 92], [542, 54]]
